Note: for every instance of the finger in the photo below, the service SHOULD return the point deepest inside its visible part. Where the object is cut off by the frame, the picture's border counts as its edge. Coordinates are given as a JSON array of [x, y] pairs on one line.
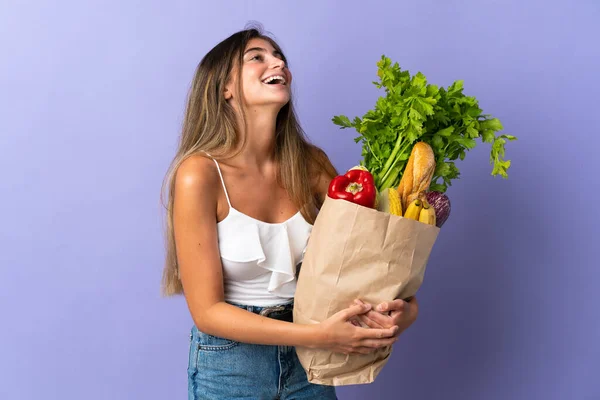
[[360, 302], [378, 333], [378, 343], [408, 312], [405, 318], [414, 306], [396, 305], [384, 321], [354, 310], [366, 321], [357, 302], [401, 322]]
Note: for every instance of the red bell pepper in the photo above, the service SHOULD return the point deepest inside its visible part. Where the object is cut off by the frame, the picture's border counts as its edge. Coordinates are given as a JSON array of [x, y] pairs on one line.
[[356, 186]]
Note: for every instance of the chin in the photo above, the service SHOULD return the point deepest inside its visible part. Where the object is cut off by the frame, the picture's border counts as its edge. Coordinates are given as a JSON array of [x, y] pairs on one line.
[[274, 102], [284, 101]]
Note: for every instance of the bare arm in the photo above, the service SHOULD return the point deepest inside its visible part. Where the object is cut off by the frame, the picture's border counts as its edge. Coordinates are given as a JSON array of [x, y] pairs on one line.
[[195, 226]]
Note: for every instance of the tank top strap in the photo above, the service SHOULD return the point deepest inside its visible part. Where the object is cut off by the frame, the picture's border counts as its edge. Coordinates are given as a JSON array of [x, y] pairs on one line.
[[222, 180]]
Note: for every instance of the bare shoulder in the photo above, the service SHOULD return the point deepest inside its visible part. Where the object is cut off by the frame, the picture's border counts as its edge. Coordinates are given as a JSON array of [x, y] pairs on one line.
[[196, 184], [196, 172]]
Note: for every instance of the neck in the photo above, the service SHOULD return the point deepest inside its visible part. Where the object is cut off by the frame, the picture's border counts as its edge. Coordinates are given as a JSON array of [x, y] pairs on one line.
[[259, 135]]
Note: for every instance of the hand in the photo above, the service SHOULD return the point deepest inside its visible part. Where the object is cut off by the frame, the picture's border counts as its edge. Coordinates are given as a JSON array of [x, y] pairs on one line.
[[341, 336], [399, 313]]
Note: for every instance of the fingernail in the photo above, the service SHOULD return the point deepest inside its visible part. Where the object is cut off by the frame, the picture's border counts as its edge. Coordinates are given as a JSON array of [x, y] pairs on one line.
[[357, 301], [381, 307]]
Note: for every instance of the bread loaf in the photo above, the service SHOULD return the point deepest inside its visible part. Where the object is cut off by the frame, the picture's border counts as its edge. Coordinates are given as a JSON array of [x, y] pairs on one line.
[[417, 174]]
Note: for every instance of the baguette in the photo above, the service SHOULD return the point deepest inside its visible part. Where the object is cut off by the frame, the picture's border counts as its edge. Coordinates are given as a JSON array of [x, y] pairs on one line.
[[417, 174]]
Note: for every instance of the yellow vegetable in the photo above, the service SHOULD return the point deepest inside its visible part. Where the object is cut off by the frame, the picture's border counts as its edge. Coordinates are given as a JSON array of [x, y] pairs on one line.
[[389, 202], [395, 203]]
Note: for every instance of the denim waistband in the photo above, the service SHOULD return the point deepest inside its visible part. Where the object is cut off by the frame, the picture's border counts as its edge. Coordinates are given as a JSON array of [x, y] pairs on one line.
[[258, 309], [279, 311]]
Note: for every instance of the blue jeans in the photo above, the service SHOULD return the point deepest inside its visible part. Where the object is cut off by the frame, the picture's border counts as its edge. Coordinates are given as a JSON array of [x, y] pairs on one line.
[[222, 369]]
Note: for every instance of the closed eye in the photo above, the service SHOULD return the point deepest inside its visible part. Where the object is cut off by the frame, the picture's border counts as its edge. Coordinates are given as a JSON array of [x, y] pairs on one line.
[[260, 57]]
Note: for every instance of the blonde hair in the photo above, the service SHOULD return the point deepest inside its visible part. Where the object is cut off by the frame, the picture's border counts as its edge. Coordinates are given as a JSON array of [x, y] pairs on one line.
[[210, 125]]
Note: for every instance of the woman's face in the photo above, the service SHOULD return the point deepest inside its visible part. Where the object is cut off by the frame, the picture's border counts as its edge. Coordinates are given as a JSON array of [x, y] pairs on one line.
[[265, 78]]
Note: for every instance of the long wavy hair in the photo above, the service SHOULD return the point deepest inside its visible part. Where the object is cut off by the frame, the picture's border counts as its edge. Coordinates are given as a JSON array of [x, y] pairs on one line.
[[211, 125]]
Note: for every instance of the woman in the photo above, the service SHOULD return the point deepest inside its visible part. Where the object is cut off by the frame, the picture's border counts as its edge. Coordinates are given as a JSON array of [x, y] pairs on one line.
[[244, 189]]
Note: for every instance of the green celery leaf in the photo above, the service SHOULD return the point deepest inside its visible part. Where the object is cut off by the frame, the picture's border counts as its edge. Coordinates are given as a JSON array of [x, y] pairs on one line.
[[446, 131], [409, 110], [437, 187], [472, 132], [493, 124], [442, 169], [438, 142], [343, 121], [488, 136]]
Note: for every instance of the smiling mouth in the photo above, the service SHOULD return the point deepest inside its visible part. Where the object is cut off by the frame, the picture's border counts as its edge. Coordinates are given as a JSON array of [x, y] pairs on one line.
[[275, 80]]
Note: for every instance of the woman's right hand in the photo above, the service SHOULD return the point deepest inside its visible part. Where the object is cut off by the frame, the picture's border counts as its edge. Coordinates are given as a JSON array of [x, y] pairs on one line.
[[341, 336]]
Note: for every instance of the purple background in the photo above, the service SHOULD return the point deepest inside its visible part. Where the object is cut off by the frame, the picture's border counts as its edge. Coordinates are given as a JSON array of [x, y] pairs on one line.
[[91, 100]]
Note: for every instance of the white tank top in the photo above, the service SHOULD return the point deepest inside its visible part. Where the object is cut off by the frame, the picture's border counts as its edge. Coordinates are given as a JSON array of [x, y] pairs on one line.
[[260, 259]]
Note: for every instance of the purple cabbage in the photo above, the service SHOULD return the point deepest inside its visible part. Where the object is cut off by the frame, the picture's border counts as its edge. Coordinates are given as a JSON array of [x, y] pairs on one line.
[[441, 203]]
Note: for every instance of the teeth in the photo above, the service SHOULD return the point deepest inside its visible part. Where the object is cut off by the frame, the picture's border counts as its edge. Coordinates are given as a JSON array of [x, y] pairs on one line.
[[274, 77]]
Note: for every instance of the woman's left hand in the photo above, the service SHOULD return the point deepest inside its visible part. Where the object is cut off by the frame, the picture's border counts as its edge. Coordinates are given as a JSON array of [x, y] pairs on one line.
[[385, 315]]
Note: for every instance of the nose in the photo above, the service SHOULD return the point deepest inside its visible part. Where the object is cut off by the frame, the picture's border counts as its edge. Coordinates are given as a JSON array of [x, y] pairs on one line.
[[278, 62]]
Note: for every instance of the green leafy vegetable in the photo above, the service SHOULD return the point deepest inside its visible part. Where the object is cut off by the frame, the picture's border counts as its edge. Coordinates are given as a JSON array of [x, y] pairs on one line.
[[413, 110]]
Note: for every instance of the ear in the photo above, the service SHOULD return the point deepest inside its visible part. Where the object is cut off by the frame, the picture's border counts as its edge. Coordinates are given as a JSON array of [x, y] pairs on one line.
[[227, 93], [229, 88]]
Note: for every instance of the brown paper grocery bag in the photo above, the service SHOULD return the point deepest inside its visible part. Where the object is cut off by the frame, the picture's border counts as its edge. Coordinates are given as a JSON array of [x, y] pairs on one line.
[[356, 252]]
